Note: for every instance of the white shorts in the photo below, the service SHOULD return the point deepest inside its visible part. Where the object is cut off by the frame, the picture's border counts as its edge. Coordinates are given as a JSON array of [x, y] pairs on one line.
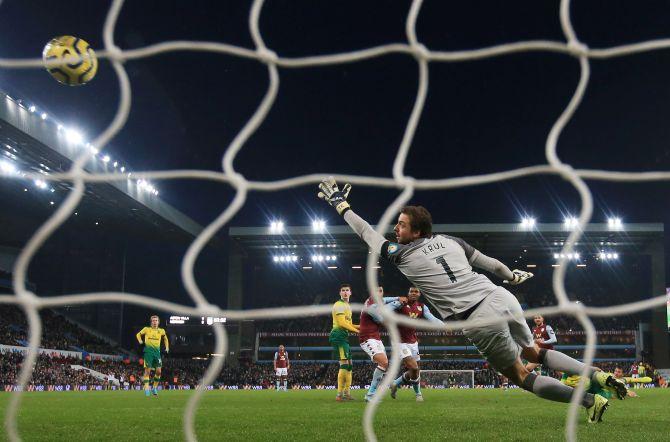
[[500, 343], [410, 351], [281, 371], [373, 347]]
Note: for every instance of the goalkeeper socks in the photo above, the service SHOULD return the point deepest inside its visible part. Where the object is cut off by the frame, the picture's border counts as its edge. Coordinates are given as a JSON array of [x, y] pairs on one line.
[[417, 388], [562, 362], [145, 382], [376, 379], [157, 381], [341, 379], [552, 389]]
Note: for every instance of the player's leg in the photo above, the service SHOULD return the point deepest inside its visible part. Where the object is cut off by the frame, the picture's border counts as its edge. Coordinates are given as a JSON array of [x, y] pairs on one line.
[[340, 354], [285, 378], [411, 375], [348, 379], [496, 343], [556, 360], [552, 389], [157, 380], [375, 349], [341, 379], [550, 359], [277, 378], [146, 377], [417, 385]]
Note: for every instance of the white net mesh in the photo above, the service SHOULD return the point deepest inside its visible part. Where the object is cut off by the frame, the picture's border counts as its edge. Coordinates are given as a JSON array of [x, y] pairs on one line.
[[571, 47]]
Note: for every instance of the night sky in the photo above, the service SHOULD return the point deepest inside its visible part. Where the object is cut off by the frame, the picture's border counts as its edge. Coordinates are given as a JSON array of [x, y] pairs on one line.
[[480, 117]]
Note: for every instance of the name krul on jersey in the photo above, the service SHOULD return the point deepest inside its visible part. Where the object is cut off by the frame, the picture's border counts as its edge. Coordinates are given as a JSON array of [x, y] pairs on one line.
[[434, 247]]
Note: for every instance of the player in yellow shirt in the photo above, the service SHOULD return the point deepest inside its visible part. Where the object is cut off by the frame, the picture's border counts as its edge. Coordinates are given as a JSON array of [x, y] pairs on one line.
[[152, 353], [339, 339]]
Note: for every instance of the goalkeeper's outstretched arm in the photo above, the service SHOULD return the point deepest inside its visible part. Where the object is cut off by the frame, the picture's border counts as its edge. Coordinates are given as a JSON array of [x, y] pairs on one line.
[[337, 198]]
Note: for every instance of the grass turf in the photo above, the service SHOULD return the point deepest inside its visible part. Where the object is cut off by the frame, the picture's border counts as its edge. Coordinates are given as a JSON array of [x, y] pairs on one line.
[[471, 415]]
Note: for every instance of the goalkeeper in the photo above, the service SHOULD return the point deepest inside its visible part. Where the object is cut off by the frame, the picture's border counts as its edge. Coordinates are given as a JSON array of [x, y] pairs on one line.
[[152, 354], [440, 266]]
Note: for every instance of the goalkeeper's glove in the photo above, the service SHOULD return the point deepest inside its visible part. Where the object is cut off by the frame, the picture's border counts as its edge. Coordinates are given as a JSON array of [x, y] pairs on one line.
[[334, 196], [518, 276]]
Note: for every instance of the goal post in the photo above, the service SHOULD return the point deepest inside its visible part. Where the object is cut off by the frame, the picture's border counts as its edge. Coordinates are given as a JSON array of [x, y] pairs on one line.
[[448, 378]]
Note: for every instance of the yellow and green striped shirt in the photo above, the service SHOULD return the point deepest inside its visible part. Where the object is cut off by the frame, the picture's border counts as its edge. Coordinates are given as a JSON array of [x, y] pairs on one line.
[[152, 338], [342, 308]]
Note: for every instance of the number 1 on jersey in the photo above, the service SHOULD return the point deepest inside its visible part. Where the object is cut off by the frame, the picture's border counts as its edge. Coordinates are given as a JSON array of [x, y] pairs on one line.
[[440, 260]]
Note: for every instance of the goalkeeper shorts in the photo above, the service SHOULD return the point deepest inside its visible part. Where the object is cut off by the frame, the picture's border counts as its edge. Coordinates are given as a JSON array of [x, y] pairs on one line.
[[500, 343]]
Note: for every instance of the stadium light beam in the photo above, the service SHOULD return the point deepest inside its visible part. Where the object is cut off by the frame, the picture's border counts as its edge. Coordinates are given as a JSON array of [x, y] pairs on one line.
[[276, 227], [7, 168], [528, 223], [318, 225], [614, 223], [570, 222], [74, 136]]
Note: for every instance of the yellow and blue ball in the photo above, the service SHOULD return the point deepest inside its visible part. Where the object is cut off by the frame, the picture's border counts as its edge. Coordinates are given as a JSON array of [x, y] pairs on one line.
[[78, 71]]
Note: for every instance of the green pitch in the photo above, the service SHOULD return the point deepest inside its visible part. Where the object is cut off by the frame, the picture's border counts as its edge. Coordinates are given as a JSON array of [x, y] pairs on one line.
[[314, 415]]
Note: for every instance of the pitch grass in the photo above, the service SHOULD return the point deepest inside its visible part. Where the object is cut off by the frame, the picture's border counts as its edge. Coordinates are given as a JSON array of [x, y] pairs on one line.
[[475, 415]]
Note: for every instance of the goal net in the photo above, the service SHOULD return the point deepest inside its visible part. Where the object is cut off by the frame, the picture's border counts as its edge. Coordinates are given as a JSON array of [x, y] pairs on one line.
[[570, 47], [448, 378]]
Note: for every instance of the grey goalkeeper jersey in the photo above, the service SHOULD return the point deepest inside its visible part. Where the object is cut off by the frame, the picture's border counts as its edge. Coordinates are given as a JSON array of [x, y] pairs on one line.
[[440, 267]]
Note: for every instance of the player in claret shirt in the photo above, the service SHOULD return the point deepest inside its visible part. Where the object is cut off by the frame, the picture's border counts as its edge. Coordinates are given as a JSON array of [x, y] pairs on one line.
[[281, 364], [544, 337], [371, 341], [409, 344]]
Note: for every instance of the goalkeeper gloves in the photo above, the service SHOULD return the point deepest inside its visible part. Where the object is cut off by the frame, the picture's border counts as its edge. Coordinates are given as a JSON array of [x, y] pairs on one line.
[[334, 196], [518, 276]]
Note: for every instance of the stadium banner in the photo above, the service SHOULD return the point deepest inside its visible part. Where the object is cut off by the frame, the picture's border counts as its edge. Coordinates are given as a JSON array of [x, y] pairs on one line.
[[445, 333], [43, 351], [105, 357], [51, 352]]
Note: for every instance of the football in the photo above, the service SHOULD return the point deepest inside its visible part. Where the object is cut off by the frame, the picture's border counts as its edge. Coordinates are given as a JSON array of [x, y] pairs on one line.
[[79, 71]]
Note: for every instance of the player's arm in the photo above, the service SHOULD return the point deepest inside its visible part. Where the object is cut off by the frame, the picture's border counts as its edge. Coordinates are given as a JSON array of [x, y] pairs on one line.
[[166, 343], [288, 362], [274, 361], [375, 314], [342, 322], [337, 198], [552, 335], [427, 314], [140, 334], [492, 265]]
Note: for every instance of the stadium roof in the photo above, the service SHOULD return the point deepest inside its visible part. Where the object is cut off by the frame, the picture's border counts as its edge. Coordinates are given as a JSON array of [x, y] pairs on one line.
[[32, 143], [493, 238]]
